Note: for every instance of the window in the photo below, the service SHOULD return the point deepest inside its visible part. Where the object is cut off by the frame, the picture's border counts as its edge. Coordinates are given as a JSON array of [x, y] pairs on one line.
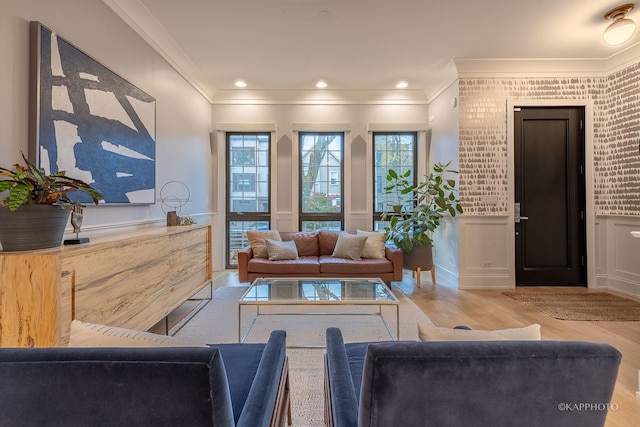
[[248, 206], [397, 151], [241, 156], [334, 177], [244, 182], [321, 187]]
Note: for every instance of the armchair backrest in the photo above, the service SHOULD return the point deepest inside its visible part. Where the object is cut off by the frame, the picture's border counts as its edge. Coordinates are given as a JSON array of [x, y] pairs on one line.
[[114, 387], [487, 383]]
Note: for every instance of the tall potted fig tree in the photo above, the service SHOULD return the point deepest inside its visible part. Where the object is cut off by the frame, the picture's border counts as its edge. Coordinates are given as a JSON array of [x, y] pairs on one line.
[[34, 206], [431, 200]]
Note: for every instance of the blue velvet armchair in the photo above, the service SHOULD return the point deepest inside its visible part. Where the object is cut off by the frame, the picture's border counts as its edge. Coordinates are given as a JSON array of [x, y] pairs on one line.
[[218, 385], [475, 383]]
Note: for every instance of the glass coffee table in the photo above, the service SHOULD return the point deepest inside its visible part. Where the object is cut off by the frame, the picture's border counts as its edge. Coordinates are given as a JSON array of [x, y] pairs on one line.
[[319, 293]]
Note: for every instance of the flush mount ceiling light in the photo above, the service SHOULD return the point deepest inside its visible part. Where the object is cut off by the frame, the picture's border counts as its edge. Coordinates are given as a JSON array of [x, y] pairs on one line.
[[402, 85], [240, 83], [321, 84], [621, 29]]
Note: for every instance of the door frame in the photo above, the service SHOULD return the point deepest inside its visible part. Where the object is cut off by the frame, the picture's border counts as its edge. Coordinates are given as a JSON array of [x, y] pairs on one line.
[[588, 177]]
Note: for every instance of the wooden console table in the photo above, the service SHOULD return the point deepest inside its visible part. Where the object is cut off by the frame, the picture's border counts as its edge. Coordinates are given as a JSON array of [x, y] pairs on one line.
[[132, 280]]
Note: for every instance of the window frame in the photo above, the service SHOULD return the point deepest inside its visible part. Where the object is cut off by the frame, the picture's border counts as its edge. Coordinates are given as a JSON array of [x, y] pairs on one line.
[[304, 217], [245, 216], [377, 214]]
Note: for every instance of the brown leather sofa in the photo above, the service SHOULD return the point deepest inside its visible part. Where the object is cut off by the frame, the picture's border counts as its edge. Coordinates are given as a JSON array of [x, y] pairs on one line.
[[315, 260]]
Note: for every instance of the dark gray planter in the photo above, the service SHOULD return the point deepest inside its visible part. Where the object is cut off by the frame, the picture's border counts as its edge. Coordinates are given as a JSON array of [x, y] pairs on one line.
[[32, 227], [419, 257]]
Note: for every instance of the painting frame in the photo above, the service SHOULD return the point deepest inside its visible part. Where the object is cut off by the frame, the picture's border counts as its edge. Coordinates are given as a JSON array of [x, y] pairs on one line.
[[90, 122]]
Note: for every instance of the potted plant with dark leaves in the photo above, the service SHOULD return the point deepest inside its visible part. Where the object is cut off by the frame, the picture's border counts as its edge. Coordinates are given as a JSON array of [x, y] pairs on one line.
[[431, 200], [35, 207], [400, 186]]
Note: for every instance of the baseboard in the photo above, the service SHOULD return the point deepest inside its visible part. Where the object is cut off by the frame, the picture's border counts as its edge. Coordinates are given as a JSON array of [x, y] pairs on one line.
[[485, 281], [624, 287], [446, 277]]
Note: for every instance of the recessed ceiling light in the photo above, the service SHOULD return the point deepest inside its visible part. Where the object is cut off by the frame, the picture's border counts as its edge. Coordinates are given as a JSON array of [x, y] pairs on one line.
[[240, 83], [321, 84], [402, 85]]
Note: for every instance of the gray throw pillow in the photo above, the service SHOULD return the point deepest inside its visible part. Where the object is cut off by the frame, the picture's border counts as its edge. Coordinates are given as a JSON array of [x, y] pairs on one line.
[[281, 250], [434, 333], [256, 240], [349, 246], [374, 246]]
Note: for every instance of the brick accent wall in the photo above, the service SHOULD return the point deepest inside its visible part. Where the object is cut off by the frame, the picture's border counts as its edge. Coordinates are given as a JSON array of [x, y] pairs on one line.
[[483, 137]]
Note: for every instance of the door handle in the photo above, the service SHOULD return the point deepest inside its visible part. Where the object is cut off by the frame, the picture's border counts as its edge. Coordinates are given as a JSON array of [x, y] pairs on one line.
[[516, 213]]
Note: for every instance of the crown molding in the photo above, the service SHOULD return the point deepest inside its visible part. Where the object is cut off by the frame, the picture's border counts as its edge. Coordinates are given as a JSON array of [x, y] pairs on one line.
[[543, 67], [469, 68], [137, 16], [397, 127], [320, 97], [245, 127]]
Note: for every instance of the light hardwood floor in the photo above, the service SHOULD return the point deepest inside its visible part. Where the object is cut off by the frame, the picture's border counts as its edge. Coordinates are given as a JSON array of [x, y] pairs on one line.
[[490, 309]]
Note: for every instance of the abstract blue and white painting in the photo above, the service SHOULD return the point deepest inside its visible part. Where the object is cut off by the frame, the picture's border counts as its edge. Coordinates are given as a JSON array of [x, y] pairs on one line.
[[93, 124]]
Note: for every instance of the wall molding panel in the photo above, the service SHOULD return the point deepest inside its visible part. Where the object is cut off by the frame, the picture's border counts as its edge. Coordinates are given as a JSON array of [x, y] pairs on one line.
[[485, 253], [622, 269]]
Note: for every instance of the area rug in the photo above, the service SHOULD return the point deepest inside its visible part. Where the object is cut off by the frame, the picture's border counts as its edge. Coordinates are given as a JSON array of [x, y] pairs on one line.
[[593, 306], [217, 322]]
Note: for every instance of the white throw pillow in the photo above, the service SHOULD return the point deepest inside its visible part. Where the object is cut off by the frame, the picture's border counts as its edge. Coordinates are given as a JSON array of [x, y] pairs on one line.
[[256, 240], [349, 246], [374, 246], [281, 250], [434, 333], [93, 335]]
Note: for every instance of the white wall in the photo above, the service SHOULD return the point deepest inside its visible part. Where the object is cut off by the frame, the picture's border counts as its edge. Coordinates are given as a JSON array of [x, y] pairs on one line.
[[617, 252], [444, 148], [354, 118], [183, 116]]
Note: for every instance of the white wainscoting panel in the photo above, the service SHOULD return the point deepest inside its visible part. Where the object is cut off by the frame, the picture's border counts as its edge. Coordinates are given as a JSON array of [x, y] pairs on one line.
[[358, 221], [286, 221], [600, 235], [487, 258], [486, 252], [623, 255]]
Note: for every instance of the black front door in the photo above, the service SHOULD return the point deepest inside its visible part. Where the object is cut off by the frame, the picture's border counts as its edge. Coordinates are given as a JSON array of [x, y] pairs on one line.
[[550, 196]]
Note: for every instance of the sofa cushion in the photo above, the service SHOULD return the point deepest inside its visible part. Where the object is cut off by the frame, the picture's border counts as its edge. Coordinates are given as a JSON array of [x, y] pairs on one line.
[[306, 241], [327, 240], [301, 265], [241, 364], [485, 383], [349, 246], [113, 387], [85, 334], [281, 250], [374, 246], [363, 267], [434, 333], [356, 354], [256, 240]]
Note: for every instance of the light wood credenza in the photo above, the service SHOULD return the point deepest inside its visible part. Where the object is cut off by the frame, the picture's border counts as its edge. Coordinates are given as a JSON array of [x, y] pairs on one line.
[[132, 280]]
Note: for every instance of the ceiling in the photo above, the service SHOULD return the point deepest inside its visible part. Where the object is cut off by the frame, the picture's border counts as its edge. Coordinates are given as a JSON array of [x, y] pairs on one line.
[[361, 45]]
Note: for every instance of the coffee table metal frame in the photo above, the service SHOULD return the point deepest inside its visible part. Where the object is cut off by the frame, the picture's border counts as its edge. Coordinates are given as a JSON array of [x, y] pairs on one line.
[[392, 301]]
